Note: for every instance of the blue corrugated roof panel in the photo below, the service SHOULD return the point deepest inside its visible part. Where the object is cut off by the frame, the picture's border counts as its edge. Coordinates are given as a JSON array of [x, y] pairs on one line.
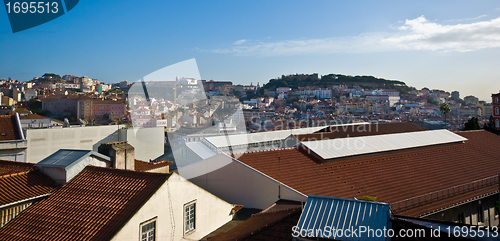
[[324, 217], [63, 158]]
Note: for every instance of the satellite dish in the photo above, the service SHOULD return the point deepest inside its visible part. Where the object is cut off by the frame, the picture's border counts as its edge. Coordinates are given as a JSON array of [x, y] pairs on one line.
[[66, 122], [82, 122]]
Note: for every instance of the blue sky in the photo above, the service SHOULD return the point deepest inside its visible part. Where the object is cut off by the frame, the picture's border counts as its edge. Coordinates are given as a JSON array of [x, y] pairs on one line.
[[452, 45]]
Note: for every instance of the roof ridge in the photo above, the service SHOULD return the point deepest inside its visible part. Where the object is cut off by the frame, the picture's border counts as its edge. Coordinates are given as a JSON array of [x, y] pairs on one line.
[[155, 163], [116, 170], [278, 211], [268, 150], [161, 162], [471, 130], [15, 174]]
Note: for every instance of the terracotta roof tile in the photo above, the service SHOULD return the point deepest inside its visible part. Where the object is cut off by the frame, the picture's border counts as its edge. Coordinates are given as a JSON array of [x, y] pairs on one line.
[[94, 205], [390, 177], [11, 167], [24, 185], [8, 128], [32, 116], [146, 166]]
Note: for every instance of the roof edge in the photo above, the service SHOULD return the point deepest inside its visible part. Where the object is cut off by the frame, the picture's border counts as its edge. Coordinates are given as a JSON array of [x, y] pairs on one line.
[[347, 199], [145, 201], [263, 174]]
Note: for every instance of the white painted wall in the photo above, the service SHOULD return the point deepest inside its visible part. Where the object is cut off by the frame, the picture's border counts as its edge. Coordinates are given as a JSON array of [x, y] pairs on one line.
[[238, 183], [148, 143], [76, 168], [167, 205], [44, 142]]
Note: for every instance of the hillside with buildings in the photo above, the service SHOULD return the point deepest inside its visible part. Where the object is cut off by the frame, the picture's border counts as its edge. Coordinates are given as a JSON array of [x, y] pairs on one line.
[[196, 159], [309, 80]]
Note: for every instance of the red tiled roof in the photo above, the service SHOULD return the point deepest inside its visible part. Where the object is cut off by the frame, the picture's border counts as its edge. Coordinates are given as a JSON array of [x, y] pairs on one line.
[[8, 128], [32, 116], [264, 226], [282, 205], [146, 166], [12, 167], [108, 102], [361, 130], [392, 176], [94, 205], [456, 200], [24, 185]]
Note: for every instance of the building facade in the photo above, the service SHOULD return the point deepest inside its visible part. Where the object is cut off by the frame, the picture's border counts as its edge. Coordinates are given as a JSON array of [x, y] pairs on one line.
[[496, 109]]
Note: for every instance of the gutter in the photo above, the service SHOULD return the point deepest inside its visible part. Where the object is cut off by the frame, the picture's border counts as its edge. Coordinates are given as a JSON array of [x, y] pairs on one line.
[[459, 204], [24, 200]]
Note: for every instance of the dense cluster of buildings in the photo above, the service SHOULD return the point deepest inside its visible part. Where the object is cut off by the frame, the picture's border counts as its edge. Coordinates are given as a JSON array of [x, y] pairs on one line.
[[356, 103], [88, 183], [75, 98], [195, 163]]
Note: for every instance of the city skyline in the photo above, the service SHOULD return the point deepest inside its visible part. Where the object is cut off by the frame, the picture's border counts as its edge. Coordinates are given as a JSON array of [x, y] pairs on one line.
[[446, 45]]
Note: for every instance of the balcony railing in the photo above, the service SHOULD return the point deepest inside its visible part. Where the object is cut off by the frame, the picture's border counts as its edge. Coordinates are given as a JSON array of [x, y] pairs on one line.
[[443, 194]]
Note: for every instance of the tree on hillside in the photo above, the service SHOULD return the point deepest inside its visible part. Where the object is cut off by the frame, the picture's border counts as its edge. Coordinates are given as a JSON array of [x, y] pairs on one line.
[[445, 109], [237, 93], [490, 126], [52, 75], [34, 104]]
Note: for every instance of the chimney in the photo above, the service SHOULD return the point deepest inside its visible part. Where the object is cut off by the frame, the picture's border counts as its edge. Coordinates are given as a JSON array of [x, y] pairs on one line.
[[121, 153]]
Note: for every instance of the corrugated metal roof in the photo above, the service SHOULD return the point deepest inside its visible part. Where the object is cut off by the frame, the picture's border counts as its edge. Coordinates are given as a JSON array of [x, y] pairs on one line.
[[250, 138], [65, 158], [332, 213], [201, 150], [343, 147]]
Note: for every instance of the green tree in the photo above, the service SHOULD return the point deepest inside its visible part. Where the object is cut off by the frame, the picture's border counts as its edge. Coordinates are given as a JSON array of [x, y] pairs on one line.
[[472, 124], [34, 104], [445, 109], [490, 126], [432, 101], [51, 74], [237, 93]]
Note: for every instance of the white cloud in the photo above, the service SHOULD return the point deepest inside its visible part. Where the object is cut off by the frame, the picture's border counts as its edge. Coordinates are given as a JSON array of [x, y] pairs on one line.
[[414, 34], [420, 34], [466, 19], [240, 42]]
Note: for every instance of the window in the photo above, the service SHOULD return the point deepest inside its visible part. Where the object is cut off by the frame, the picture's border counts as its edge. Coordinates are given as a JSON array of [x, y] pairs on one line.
[[497, 123], [496, 100], [461, 218], [480, 214], [189, 217], [148, 230], [496, 111]]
